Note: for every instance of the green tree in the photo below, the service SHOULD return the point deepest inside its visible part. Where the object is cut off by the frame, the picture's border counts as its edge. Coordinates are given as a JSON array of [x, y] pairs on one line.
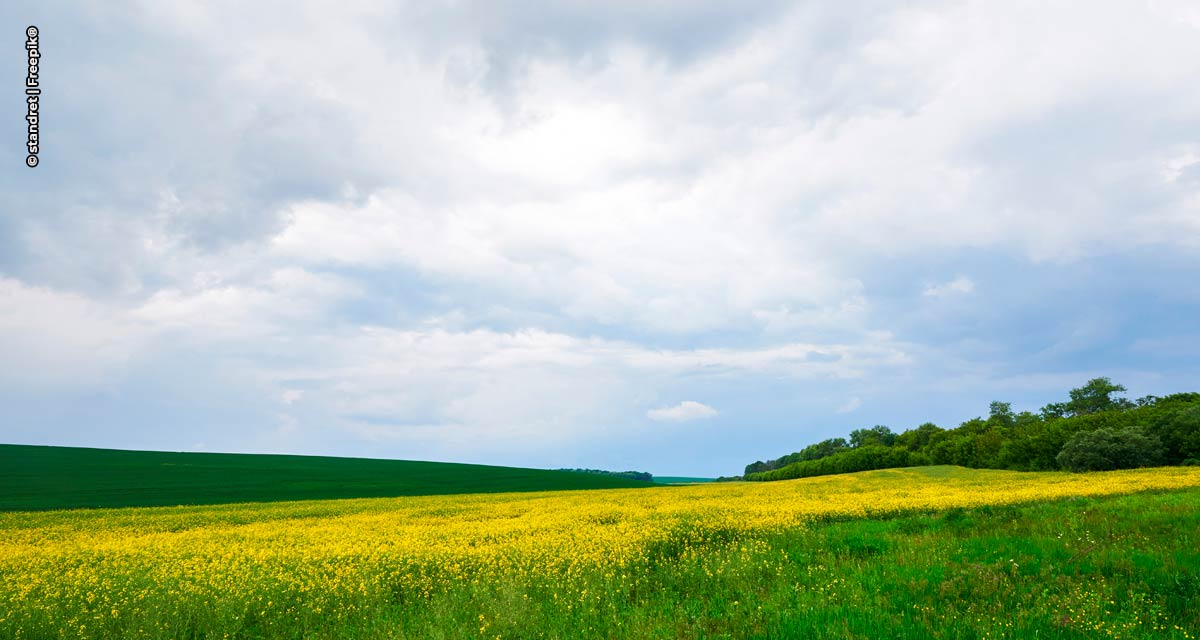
[[1146, 401], [1096, 396], [1001, 414], [1179, 431], [1024, 441], [756, 467], [1107, 449], [877, 435], [1028, 420], [919, 438], [823, 449], [1054, 410]]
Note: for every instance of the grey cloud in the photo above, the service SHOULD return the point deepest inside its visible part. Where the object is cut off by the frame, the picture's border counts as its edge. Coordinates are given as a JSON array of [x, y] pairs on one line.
[[678, 29], [150, 133], [284, 193]]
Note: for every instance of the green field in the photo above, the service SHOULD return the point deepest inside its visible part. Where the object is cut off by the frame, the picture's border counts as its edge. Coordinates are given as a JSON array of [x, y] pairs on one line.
[[40, 478], [1114, 567], [938, 552]]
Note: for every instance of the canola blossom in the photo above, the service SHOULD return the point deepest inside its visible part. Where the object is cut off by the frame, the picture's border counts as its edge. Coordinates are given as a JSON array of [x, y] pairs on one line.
[[158, 572]]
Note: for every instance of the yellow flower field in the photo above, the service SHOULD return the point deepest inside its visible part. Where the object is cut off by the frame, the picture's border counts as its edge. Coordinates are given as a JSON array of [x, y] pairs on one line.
[[155, 572]]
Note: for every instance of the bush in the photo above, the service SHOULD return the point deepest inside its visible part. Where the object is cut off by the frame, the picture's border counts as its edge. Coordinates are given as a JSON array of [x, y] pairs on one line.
[[1106, 449]]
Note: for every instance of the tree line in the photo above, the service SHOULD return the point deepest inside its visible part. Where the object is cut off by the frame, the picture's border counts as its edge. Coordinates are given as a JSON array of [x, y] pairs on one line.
[[1094, 430], [632, 475]]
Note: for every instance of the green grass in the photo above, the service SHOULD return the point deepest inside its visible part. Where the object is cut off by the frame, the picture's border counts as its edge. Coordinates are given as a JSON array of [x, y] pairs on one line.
[[40, 478], [1115, 567], [1112, 567]]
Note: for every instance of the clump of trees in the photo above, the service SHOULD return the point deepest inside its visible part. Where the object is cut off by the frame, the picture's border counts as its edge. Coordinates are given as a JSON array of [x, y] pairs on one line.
[[1106, 449], [1094, 429], [817, 451], [632, 475]]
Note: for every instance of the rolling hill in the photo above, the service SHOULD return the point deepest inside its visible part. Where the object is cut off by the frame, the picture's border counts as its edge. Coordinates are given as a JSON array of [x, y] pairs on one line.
[[41, 478]]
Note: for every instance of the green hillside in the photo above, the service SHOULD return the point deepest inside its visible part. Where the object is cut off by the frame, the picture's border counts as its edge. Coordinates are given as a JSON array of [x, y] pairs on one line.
[[679, 480], [40, 478]]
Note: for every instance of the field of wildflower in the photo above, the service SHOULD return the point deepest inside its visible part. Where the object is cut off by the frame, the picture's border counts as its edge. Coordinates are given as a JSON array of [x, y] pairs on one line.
[[939, 552]]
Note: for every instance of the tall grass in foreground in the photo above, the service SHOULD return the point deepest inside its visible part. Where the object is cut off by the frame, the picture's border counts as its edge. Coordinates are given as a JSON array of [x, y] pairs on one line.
[[938, 553]]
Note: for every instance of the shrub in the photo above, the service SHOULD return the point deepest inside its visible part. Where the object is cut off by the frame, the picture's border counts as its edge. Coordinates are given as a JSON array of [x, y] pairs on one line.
[[1106, 449]]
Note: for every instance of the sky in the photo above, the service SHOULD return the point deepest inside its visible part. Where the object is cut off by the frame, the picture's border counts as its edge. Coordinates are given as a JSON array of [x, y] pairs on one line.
[[674, 236]]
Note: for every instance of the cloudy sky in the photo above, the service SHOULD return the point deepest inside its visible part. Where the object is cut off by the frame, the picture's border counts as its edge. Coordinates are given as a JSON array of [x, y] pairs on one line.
[[671, 236]]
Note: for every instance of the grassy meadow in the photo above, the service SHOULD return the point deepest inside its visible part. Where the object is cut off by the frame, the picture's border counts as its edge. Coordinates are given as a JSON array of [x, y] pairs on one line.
[[33, 478], [935, 552]]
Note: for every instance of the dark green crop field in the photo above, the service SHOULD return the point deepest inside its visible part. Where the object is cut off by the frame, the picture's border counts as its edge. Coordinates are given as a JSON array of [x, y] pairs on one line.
[[40, 478]]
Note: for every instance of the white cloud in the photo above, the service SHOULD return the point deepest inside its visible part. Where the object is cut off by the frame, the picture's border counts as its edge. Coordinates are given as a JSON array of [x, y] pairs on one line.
[[489, 378], [278, 302], [678, 197], [60, 339], [622, 192], [634, 254], [530, 223], [959, 285], [682, 412], [850, 405]]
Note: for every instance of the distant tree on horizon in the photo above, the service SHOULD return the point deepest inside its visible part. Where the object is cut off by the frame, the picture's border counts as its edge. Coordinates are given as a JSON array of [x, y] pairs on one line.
[[877, 434], [1102, 429], [1093, 397]]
